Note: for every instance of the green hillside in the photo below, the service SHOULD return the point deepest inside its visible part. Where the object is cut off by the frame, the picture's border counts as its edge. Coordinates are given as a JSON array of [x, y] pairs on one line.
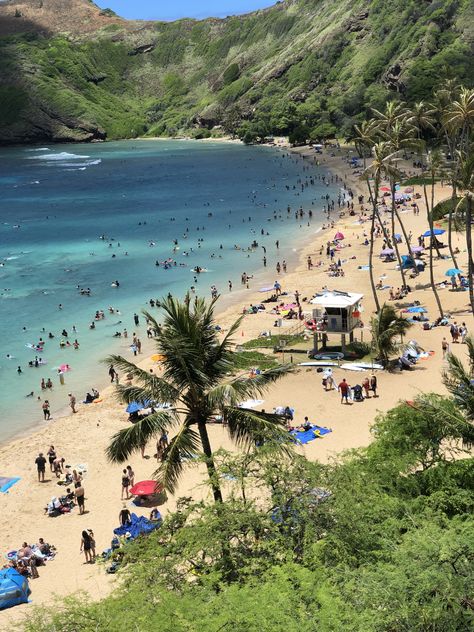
[[311, 63]]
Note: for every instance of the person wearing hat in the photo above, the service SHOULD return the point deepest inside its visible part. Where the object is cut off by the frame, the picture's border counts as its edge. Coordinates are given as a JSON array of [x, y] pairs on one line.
[[124, 515]]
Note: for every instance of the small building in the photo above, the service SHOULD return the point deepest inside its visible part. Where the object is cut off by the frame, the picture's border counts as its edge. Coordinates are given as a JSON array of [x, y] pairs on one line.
[[336, 313]]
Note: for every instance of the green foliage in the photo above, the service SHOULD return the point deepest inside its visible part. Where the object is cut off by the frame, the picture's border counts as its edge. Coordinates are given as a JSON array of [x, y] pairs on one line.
[[254, 359], [13, 101], [292, 69], [231, 73], [273, 341]]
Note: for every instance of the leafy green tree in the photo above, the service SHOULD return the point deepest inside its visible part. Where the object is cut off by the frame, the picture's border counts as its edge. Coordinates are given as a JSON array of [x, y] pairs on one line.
[[199, 382]]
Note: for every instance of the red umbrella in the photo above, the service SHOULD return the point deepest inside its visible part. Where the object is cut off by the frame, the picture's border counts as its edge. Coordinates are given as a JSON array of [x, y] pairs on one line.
[[338, 236], [146, 488], [385, 189]]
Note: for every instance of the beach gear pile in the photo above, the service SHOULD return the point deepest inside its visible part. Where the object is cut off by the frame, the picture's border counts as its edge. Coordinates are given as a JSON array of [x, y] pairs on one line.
[[305, 436]]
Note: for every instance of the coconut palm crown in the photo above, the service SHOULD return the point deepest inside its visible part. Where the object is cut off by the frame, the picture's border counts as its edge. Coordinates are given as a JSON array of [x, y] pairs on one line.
[[199, 380]]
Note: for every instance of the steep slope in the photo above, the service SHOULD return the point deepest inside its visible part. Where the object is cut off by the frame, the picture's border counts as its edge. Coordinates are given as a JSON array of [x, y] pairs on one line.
[[73, 72]]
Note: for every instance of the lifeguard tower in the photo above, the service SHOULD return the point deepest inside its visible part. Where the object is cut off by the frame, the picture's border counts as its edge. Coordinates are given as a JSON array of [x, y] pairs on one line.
[[336, 313]]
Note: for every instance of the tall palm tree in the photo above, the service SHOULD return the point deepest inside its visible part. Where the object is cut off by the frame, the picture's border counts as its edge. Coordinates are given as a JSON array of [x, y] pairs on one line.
[[365, 136], [465, 185], [435, 163], [199, 382], [458, 121], [394, 111], [380, 166], [385, 328]]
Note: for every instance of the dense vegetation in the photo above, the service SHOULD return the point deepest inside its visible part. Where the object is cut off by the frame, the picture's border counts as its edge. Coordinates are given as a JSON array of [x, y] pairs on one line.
[[303, 67]]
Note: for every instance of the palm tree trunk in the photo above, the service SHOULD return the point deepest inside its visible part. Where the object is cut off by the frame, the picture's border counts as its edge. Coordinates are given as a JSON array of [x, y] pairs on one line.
[[395, 244], [470, 263], [429, 213], [371, 248], [211, 468], [450, 225]]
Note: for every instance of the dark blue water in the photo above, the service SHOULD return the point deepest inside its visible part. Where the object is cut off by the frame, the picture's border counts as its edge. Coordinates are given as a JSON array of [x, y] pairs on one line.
[[66, 210]]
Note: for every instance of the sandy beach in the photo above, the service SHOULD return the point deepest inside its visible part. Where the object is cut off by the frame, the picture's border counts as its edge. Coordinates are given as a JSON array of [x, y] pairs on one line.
[[82, 438]]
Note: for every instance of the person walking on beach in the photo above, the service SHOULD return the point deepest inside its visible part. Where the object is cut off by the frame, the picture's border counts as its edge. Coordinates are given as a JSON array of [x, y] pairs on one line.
[[79, 494], [86, 546], [343, 388], [136, 319], [131, 475], [72, 402], [41, 467], [139, 345], [124, 515], [463, 332], [444, 347], [125, 484], [366, 387], [46, 410]]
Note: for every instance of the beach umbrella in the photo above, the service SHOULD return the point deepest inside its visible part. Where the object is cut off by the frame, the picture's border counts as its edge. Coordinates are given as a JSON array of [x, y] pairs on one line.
[[436, 231], [416, 310], [386, 189], [146, 488], [134, 407], [408, 190], [158, 357], [339, 236], [270, 288], [387, 251], [453, 272], [417, 249], [397, 236], [399, 196], [251, 403]]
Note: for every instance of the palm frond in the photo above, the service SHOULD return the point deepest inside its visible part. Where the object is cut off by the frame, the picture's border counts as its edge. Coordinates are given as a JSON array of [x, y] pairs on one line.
[[231, 392], [132, 438], [185, 445], [248, 427]]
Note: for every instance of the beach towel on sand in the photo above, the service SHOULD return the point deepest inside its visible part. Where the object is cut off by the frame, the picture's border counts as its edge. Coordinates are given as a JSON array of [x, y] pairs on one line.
[[137, 526], [310, 435], [6, 482]]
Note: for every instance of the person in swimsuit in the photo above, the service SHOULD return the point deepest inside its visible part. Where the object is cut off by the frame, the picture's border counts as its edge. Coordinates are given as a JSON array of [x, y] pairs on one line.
[[124, 515], [125, 484], [86, 546], [51, 454], [79, 494]]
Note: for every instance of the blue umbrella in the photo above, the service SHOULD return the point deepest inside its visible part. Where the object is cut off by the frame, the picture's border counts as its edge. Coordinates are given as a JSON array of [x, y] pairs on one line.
[[453, 272], [436, 231], [416, 310], [134, 407]]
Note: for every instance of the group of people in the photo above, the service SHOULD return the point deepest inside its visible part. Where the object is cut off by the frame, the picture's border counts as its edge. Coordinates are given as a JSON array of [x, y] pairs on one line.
[[28, 557], [350, 393]]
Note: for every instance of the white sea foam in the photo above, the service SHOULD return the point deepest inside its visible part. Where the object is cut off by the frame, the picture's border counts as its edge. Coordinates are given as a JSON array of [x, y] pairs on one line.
[[40, 149], [63, 155], [87, 163]]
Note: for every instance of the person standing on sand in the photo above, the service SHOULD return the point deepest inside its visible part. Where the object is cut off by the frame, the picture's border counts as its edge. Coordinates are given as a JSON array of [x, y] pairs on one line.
[[366, 387], [124, 515], [79, 494], [343, 388], [61, 377], [373, 385], [444, 347], [86, 546], [131, 475], [41, 467], [125, 484], [72, 402], [51, 457], [139, 345]]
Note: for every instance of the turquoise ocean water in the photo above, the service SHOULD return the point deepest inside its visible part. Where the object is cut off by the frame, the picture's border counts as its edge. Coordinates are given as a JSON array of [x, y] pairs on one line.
[[67, 209]]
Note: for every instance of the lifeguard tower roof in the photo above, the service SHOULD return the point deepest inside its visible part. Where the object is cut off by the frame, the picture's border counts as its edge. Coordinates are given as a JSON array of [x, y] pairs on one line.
[[334, 298]]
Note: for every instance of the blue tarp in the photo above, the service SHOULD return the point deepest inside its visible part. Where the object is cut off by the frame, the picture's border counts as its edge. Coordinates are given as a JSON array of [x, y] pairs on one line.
[[309, 435], [134, 407], [6, 482], [138, 525], [14, 588]]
